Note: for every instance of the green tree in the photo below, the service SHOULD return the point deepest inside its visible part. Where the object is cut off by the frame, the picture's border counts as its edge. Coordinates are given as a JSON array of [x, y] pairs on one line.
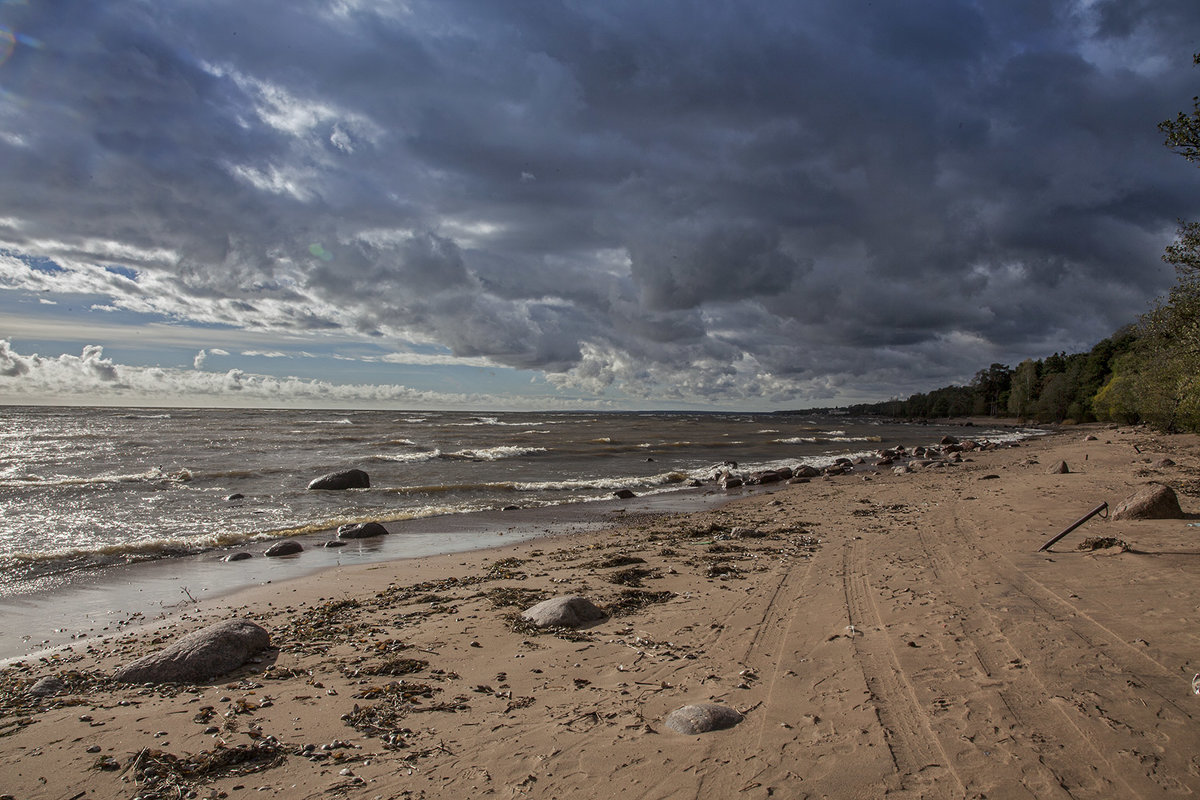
[[1183, 132], [1023, 392]]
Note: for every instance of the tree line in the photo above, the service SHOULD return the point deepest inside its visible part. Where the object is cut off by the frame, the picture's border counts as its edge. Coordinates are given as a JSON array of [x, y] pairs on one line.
[[1148, 372]]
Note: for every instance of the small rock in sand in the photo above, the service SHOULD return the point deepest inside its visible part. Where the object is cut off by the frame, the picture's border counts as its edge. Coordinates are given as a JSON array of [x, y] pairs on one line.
[[1163, 462], [48, 685], [702, 718], [570, 611]]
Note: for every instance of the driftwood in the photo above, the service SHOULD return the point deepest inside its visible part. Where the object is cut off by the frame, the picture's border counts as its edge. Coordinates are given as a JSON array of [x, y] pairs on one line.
[[1074, 525]]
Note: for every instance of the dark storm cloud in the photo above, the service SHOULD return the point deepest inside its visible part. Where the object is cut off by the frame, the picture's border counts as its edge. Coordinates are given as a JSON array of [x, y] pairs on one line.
[[776, 199]]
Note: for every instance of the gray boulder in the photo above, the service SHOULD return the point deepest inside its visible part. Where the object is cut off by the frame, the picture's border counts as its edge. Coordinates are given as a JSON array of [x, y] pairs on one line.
[[241, 555], [285, 548], [702, 718], [346, 479], [51, 684], [361, 530], [806, 471], [571, 611], [202, 655], [1152, 501]]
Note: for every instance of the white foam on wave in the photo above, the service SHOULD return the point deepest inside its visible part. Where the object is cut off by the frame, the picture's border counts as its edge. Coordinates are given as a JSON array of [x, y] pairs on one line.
[[407, 458], [496, 453], [152, 475]]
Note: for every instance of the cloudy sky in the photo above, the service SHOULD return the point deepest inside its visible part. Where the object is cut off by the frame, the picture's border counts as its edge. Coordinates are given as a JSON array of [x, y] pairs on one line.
[[559, 203]]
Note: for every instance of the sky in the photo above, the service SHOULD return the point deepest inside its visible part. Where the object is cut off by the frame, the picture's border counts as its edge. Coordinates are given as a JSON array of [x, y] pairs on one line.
[[557, 205]]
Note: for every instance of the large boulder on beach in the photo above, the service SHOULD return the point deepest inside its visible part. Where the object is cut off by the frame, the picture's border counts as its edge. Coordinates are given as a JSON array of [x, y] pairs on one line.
[[361, 530], [284, 548], [702, 718], [806, 471], [202, 655], [346, 479], [1060, 468], [572, 611], [1152, 501]]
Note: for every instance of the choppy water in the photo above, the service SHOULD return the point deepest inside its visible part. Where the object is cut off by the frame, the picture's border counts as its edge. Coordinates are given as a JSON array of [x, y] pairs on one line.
[[85, 488]]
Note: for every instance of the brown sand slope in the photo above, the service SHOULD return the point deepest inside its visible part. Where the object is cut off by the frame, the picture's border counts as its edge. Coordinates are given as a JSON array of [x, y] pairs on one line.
[[895, 636]]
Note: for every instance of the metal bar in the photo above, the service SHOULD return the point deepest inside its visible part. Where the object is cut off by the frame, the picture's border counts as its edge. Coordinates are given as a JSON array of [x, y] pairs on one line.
[[1074, 525]]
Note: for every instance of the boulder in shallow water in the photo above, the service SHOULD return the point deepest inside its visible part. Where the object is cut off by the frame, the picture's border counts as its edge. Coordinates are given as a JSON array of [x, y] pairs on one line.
[[362, 530], [346, 479], [571, 611], [238, 556], [624, 494], [806, 471], [702, 718], [1152, 501], [202, 655], [284, 548]]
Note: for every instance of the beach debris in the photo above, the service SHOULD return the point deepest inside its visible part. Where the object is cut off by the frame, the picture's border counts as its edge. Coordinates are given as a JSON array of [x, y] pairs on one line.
[[1060, 468], [1104, 543], [1152, 501], [200, 656], [503, 596], [345, 479], [238, 556], [284, 548], [619, 560], [1097, 510], [361, 530], [631, 600], [702, 718], [571, 611], [633, 576], [160, 774]]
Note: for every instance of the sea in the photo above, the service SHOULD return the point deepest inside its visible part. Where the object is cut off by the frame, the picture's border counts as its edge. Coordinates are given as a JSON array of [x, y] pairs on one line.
[[96, 499]]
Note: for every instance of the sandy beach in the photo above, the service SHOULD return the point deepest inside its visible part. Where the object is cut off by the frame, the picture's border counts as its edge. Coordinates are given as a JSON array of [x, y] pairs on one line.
[[883, 634]]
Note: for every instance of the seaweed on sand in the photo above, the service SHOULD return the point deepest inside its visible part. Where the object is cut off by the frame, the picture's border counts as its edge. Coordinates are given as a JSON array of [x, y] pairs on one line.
[[503, 596], [631, 600], [162, 775], [397, 700], [632, 576], [619, 560]]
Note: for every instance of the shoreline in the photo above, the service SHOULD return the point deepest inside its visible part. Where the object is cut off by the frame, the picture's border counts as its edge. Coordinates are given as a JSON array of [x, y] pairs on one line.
[[899, 635], [84, 604]]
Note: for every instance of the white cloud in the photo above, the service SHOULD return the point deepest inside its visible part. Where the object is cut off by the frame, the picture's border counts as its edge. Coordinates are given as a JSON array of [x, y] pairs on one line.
[[90, 378]]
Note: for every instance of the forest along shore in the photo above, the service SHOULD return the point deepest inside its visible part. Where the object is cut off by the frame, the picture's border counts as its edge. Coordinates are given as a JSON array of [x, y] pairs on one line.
[[875, 632]]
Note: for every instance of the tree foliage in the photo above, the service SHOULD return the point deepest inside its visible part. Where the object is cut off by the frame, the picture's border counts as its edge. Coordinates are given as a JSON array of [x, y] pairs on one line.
[[1145, 373]]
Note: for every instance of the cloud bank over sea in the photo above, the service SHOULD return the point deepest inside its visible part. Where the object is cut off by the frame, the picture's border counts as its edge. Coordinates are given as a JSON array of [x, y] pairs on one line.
[[771, 204]]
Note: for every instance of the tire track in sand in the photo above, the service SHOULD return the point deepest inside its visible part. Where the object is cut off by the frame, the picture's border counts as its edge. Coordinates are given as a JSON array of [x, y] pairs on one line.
[[916, 751]]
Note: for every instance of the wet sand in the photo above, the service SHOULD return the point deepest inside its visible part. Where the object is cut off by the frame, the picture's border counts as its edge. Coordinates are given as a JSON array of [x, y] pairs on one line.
[[883, 635]]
